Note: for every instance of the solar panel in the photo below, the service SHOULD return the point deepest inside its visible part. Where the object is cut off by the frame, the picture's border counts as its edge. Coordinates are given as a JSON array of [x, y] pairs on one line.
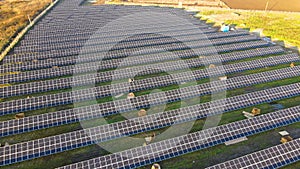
[[105, 76], [51, 119], [136, 22], [90, 24], [61, 42], [81, 36], [81, 32], [88, 94], [116, 63], [41, 51], [168, 148], [74, 59], [273, 157], [93, 17], [177, 30], [160, 48]]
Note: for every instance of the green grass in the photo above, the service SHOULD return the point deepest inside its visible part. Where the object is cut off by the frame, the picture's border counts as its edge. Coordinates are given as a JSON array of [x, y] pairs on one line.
[[60, 159], [213, 12], [279, 25], [13, 139]]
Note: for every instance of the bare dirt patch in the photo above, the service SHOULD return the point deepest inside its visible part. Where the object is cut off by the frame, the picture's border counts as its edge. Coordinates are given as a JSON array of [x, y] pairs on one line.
[[278, 5]]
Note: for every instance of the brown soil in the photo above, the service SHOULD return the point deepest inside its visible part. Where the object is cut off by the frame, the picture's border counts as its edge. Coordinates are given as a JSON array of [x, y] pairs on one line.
[[276, 5]]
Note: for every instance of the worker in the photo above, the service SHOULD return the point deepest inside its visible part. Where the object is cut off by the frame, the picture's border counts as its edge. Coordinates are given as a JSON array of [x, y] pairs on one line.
[[225, 28]]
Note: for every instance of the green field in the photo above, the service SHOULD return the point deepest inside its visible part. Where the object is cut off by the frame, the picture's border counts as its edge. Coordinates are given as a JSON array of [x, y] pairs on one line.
[[283, 26]]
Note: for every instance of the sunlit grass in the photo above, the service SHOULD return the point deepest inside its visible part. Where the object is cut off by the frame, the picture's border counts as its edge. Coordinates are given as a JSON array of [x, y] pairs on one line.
[[283, 26], [15, 14]]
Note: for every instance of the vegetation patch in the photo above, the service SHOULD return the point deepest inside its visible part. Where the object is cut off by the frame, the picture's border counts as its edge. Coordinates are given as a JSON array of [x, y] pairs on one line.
[[282, 26], [15, 15]]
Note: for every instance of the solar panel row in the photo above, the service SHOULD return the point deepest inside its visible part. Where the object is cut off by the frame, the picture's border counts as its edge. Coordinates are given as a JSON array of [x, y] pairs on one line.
[[77, 16], [80, 80], [35, 103], [30, 45], [53, 119], [88, 16], [77, 36], [181, 145], [90, 12], [273, 157], [92, 27], [96, 47], [75, 59], [176, 30], [55, 144], [93, 67], [91, 22], [156, 39], [92, 19], [80, 32], [138, 60], [111, 55], [59, 16], [170, 148]]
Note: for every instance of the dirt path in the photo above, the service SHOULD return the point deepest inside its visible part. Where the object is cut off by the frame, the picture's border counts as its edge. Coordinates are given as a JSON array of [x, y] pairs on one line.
[[279, 5]]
